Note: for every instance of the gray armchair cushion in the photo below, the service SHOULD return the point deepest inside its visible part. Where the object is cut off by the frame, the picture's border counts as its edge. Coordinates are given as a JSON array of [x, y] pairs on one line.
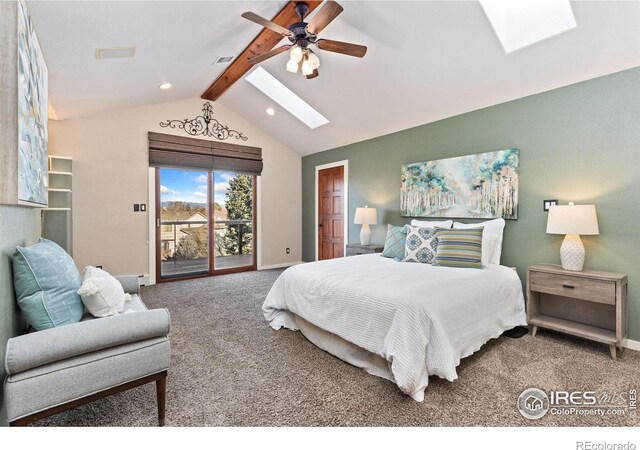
[[55, 344], [129, 283]]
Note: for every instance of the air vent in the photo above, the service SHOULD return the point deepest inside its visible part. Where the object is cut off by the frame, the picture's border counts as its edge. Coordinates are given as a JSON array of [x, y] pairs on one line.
[[223, 60], [115, 53]]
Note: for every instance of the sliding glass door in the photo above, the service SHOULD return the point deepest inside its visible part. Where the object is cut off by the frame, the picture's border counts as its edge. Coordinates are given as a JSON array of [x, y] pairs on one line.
[[205, 223], [233, 220]]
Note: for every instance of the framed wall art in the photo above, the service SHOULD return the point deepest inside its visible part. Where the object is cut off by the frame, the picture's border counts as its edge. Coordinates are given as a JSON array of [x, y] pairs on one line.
[[479, 186]]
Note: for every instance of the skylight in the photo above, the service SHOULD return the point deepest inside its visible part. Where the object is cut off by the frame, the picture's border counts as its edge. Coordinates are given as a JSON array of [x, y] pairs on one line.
[[521, 23], [281, 94]]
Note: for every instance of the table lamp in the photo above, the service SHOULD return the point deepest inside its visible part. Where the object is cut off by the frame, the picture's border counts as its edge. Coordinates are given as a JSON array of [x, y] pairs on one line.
[[365, 216], [572, 220]]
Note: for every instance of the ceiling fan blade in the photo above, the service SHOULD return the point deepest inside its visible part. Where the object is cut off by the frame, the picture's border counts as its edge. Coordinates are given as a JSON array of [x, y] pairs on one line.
[[314, 74], [269, 54], [327, 13], [342, 47], [266, 23]]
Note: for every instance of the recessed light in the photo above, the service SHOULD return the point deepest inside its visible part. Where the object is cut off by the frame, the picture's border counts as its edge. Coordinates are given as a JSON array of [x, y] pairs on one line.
[[521, 23], [271, 111], [164, 86], [283, 96]]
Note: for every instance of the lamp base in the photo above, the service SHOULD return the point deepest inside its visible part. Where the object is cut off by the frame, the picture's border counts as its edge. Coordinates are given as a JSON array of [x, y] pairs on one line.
[[572, 253], [365, 235]]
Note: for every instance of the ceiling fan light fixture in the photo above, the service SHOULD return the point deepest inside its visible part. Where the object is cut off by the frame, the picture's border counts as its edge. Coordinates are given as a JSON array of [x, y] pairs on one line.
[[301, 34], [313, 60], [296, 54], [292, 66], [306, 68]]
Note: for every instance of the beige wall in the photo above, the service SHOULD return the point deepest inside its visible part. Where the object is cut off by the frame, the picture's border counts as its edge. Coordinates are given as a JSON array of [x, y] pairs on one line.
[[110, 166]]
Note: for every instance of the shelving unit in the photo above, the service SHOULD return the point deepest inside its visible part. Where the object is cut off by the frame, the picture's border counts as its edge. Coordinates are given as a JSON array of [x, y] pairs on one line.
[[57, 218]]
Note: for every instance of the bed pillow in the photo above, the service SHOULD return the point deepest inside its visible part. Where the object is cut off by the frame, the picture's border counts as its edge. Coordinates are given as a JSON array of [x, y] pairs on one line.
[[394, 243], [459, 248], [46, 282], [491, 238], [432, 223], [102, 294], [421, 244]]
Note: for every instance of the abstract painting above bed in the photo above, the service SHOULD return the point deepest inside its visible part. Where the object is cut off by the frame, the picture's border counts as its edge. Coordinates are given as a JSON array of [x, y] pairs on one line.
[[479, 186]]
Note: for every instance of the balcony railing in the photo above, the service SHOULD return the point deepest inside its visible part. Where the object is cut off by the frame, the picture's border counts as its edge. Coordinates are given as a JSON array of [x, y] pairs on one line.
[[170, 239]]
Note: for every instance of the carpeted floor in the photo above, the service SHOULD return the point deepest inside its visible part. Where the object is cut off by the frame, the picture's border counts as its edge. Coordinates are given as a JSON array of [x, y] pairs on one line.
[[230, 368]]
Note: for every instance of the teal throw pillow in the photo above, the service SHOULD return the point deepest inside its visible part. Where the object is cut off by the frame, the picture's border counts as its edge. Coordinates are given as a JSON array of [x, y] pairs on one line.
[[46, 282], [394, 243]]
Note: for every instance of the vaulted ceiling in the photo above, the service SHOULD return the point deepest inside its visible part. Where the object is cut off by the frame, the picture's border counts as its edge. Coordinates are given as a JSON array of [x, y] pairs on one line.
[[426, 61]]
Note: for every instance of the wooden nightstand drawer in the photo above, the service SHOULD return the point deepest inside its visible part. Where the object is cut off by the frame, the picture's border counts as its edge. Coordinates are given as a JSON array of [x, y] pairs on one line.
[[593, 290]]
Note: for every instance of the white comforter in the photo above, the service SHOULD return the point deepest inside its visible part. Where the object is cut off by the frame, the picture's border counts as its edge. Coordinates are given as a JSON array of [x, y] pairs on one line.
[[420, 318]]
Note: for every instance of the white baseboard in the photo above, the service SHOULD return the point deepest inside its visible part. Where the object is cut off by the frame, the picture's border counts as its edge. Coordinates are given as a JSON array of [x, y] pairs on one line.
[[280, 266], [632, 345]]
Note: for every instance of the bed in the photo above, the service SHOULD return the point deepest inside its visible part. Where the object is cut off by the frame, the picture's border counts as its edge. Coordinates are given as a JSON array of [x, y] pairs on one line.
[[397, 320]]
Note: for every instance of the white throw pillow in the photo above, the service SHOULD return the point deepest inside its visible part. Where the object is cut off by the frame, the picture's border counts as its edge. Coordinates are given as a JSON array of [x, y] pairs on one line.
[[432, 223], [492, 234], [101, 293], [421, 245]]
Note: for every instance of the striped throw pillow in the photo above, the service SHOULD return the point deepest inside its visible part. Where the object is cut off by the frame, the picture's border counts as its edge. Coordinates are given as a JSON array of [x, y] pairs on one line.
[[459, 248]]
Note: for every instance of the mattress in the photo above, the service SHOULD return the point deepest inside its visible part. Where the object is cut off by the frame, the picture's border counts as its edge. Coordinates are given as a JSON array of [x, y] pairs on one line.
[[419, 319]]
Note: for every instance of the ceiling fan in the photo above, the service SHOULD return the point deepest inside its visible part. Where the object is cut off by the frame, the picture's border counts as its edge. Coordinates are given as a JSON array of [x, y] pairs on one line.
[[301, 35]]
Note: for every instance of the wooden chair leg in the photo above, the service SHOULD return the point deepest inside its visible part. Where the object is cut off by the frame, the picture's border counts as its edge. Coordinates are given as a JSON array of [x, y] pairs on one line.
[[18, 423], [161, 392]]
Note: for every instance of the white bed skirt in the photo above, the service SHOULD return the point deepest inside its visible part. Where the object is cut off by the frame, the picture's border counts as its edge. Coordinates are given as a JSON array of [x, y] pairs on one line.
[[345, 350]]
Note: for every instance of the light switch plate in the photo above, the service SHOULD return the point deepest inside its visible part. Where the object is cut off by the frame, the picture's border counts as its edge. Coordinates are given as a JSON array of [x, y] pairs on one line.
[[546, 204]]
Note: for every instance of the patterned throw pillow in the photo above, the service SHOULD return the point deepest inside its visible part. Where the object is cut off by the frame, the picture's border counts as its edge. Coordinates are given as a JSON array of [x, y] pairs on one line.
[[459, 248], [421, 245], [394, 243]]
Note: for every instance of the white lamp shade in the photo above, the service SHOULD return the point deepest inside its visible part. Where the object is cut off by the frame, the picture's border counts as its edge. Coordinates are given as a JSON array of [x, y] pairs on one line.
[[572, 219], [367, 216]]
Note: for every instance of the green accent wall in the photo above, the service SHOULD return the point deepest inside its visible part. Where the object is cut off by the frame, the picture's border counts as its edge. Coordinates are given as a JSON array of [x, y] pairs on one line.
[[18, 226], [578, 143]]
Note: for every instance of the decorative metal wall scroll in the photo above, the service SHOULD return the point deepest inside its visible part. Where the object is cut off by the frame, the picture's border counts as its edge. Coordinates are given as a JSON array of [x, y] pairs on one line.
[[204, 125]]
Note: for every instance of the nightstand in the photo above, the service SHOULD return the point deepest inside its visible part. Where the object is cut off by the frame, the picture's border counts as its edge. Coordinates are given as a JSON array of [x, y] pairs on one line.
[[588, 304], [357, 249]]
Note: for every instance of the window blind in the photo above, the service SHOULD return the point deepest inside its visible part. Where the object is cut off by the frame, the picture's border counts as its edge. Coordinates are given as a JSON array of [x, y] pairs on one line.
[[166, 150]]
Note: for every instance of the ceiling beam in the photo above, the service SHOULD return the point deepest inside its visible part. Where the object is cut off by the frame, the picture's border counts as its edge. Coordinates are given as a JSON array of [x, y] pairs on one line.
[[263, 42]]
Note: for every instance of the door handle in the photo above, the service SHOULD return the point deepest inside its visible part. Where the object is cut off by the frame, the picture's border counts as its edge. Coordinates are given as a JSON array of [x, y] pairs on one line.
[[319, 225]]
